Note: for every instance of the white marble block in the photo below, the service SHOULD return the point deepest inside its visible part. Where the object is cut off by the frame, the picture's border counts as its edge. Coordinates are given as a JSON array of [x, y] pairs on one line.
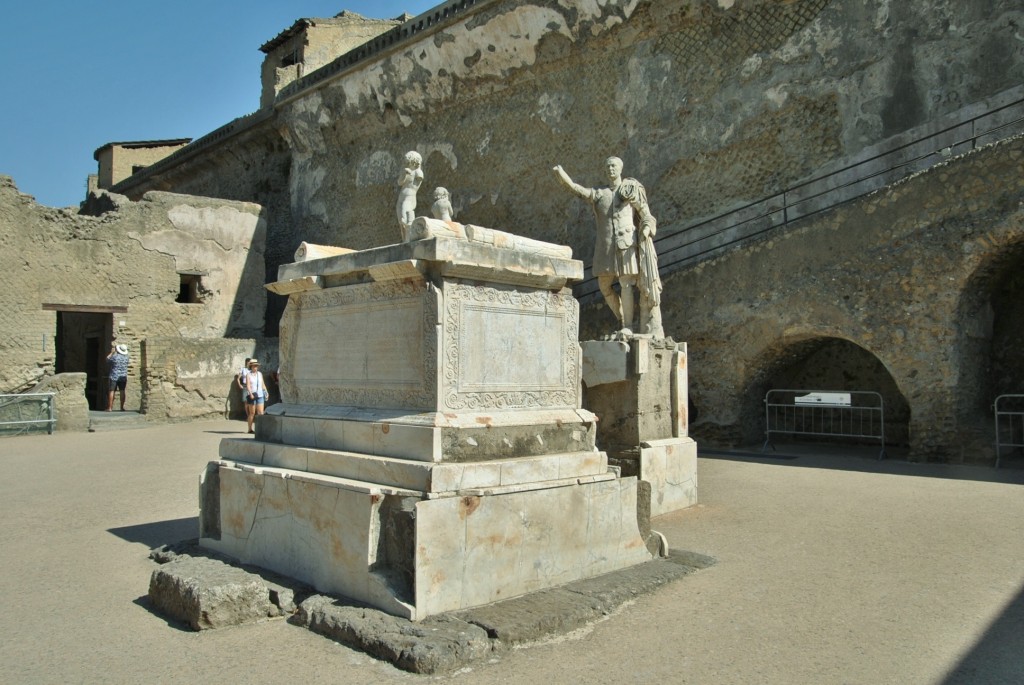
[[431, 452]]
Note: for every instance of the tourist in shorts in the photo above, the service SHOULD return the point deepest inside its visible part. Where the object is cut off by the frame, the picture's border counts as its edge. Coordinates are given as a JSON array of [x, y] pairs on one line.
[[117, 374], [254, 393]]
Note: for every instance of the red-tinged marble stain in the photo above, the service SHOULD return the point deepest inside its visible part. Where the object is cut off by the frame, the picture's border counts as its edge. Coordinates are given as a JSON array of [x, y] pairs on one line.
[[234, 522], [467, 505]]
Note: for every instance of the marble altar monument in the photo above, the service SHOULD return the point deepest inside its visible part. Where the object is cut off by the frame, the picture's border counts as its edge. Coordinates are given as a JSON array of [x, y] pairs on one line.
[[431, 452]]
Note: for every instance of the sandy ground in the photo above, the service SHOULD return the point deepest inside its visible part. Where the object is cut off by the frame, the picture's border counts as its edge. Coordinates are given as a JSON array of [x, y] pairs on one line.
[[831, 569]]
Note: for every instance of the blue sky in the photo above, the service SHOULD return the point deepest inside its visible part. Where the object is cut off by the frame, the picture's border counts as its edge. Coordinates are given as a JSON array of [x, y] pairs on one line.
[[79, 75]]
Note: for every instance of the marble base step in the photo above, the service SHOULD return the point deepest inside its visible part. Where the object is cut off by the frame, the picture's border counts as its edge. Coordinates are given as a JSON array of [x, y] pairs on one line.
[[432, 479], [414, 556]]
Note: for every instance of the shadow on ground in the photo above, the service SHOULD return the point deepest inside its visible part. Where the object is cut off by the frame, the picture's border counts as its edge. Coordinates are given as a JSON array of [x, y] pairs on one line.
[[159, 533], [861, 459], [996, 657]]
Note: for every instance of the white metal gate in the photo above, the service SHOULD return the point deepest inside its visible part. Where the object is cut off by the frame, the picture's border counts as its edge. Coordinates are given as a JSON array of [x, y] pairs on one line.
[[1009, 411], [26, 412], [846, 414]]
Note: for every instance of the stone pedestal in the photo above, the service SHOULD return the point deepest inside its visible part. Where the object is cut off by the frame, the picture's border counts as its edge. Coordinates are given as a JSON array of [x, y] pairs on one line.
[[430, 452], [638, 389]]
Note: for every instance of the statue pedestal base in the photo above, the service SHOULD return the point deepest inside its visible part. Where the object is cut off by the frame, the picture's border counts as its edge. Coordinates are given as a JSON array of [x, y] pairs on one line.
[[638, 389], [431, 452]]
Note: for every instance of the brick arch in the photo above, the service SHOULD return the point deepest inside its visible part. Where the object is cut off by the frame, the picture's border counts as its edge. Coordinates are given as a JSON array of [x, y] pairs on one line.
[[822, 361], [990, 318]]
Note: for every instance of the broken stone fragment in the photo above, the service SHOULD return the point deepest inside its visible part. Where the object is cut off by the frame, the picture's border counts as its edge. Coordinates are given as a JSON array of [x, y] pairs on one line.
[[207, 593]]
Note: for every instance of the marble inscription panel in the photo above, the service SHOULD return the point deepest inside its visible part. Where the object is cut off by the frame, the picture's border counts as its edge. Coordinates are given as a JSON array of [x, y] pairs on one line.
[[508, 349], [365, 345]]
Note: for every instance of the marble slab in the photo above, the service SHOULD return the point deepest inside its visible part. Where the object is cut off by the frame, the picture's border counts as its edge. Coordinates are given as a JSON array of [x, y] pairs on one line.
[[501, 264], [432, 436], [433, 480], [670, 466], [340, 535]]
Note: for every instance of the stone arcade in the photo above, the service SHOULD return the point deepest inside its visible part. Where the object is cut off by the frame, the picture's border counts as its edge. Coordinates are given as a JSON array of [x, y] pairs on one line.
[[431, 452]]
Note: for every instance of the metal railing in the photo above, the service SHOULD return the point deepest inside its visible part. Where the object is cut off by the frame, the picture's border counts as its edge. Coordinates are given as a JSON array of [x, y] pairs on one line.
[[24, 412], [848, 414], [1009, 417]]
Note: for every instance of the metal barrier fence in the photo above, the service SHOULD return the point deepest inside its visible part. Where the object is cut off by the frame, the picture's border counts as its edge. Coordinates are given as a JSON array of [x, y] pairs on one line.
[[24, 412], [1009, 411], [847, 414]]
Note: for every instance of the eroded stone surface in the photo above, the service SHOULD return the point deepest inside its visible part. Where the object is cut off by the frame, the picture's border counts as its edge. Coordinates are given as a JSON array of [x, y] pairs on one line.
[[444, 643], [439, 644], [207, 593]]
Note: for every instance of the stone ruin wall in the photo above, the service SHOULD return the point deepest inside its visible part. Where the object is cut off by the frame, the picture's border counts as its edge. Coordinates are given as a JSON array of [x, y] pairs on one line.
[[903, 286], [117, 162], [316, 44], [130, 255], [249, 167], [712, 104]]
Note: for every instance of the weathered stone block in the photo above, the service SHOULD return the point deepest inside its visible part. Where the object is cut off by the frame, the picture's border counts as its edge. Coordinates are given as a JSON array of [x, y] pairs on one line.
[[633, 390], [207, 593], [438, 644]]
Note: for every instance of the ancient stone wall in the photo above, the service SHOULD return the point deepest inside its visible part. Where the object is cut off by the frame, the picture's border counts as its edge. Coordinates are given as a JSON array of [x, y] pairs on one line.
[[313, 43], [912, 291], [250, 165], [195, 378], [712, 104], [124, 268], [70, 406], [117, 161]]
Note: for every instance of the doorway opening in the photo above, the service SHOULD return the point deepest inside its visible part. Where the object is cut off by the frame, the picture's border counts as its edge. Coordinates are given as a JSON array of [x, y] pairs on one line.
[[83, 343]]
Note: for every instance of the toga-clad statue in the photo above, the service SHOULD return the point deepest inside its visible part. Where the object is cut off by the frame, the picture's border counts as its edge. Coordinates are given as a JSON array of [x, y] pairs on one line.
[[624, 248]]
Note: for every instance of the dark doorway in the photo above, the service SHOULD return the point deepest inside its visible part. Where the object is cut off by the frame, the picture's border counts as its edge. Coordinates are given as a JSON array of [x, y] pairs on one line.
[[83, 343]]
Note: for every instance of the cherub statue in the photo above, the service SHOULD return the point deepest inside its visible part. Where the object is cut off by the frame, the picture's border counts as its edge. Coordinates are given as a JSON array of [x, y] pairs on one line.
[[621, 211], [442, 207], [410, 181]]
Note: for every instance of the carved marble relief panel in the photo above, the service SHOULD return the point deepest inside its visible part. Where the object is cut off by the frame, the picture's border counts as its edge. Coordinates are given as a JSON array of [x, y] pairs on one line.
[[509, 349], [369, 345]]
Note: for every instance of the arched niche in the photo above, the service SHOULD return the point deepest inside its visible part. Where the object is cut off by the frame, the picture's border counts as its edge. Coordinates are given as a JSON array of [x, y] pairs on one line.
[[990, 339], [823, 363]]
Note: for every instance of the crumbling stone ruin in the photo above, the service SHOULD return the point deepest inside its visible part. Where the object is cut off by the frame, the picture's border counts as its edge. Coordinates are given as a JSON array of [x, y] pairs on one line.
[[177, 279]]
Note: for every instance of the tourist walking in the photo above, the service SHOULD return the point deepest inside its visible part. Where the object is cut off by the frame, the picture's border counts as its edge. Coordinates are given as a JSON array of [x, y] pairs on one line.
[[255, 393]]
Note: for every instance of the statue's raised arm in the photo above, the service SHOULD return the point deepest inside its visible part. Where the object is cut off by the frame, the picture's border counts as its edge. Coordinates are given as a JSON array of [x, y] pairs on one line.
[[569, 183]]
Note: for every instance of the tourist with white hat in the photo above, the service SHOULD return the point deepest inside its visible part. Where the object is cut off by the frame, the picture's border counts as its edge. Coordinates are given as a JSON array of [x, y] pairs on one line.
[[117, 373], [254, 393]]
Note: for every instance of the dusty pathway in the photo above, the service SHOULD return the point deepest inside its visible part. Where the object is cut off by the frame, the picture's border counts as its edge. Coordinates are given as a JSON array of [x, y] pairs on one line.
[[830, 570]]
